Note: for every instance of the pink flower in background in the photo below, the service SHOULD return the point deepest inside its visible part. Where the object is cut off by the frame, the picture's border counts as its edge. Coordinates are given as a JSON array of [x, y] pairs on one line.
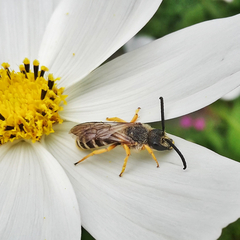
[[199, 124], [186, 121]]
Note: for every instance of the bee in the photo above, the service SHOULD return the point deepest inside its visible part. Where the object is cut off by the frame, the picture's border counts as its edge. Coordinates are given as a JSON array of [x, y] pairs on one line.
[[130, 135]]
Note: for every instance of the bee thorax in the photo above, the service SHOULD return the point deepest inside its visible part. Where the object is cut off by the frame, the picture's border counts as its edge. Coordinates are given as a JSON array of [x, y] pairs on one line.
[[138, 133]]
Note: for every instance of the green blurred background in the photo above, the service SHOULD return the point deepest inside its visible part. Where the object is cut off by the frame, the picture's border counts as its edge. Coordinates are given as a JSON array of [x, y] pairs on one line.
[[217, 126]]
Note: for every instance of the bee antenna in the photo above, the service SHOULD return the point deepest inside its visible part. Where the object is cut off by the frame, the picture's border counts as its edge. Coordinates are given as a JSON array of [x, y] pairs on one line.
[[179, 153], [162, 113]]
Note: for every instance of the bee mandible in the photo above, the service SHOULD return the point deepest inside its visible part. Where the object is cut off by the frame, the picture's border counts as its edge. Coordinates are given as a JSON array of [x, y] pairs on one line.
[[130, 135]]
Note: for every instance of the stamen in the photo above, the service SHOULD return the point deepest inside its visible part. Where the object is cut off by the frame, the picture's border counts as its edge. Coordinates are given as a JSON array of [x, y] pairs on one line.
[[6, 67], [26, 64], [35, 68], [9, 128], [50, 81], [2, 117], [43, 70], [29, 103], [22, 70], [21, 127], [43, 94]]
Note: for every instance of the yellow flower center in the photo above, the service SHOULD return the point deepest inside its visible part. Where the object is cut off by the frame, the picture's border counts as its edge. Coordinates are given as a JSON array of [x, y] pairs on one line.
[[29, 104]]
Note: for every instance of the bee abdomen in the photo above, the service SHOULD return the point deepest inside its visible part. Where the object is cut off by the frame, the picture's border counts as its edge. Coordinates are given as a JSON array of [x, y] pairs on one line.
[[93, 143]]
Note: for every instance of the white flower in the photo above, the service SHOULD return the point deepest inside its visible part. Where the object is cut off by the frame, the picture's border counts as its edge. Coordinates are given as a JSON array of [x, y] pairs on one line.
[[42, 191], [232, 95], [136, 42]]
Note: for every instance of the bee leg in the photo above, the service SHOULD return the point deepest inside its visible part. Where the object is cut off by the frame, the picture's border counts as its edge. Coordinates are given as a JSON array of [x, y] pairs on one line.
[[115, 119], [127, 149], [135, 117], [151, 152], [99, 151]]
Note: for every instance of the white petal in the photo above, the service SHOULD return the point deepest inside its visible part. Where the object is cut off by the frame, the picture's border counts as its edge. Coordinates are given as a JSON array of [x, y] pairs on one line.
[[190, 69], [232, 95], [137, 42], [149, 202], [22, 25], [83, 34], [37, 200]]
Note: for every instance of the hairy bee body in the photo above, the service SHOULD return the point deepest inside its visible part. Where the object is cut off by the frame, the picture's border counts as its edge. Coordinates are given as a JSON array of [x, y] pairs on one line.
[[130, 135], [99, 134]]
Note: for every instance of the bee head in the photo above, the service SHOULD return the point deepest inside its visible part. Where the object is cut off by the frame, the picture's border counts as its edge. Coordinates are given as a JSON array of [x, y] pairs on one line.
[[157, 140]]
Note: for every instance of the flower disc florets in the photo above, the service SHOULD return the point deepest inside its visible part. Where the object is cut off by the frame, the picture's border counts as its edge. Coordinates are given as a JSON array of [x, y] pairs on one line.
[[29, 104]]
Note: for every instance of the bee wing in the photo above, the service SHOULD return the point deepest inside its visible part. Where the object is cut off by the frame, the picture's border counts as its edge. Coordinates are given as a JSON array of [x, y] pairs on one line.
[[112, 132]]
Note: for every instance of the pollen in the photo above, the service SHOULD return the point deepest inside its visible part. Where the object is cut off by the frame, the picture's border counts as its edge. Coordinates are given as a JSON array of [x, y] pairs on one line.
[[29, 102]]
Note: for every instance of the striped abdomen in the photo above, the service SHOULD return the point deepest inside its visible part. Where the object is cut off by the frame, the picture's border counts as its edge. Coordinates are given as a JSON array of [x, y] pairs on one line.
[[93, 143]]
